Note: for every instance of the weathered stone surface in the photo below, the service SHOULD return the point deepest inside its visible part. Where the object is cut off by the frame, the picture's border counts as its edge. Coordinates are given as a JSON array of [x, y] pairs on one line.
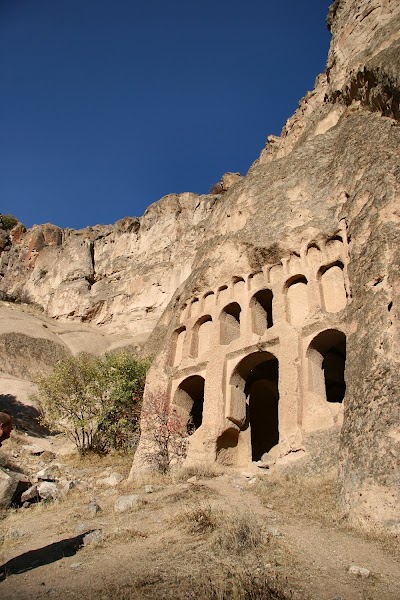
[[112, 480], [360, 571], [113, 276], [127, 503], [12, 485], [30, 494], [48, 490]]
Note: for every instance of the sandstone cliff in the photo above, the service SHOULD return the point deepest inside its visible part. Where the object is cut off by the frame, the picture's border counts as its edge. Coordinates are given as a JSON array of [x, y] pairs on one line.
[[117, 276]]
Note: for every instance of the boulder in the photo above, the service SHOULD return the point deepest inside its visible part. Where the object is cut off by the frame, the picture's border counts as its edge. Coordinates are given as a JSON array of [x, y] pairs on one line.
[[12, 485], [127, 503], [48, 490]]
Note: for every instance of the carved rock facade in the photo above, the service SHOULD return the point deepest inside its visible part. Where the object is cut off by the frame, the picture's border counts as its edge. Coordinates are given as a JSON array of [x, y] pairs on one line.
[[283, 343]]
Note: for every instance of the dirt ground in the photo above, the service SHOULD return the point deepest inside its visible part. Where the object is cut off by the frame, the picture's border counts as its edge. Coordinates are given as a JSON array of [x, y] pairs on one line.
[[226, 536]]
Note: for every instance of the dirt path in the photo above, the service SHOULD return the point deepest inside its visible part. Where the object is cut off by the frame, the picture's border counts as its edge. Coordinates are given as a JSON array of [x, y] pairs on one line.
[[148, 547]]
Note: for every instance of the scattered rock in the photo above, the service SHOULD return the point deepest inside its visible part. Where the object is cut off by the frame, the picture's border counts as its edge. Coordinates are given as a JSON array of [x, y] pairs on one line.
[[193, 479], [127, 503], [30, 494], [112, 480], [360, 571], [93, 537], [149, 489], [50, 473], [14, 534], [252, 481], [66, 485], [268, 460], [47, 490], [75, 565], [12, 485], [93, 506], [47, 456]]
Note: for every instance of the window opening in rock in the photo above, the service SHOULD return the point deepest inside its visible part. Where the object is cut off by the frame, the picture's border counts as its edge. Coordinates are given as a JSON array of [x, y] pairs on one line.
[[230, 323], [333, 290], [328, 359], [261, 311], [189, 398]]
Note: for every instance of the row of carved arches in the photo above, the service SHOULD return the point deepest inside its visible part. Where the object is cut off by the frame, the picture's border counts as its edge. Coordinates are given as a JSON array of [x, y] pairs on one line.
[[256, 379], [297, 308], [229, 319]]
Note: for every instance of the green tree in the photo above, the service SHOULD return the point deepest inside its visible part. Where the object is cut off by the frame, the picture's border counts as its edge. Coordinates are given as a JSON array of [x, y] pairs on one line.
[[95, 401], [8, 221]]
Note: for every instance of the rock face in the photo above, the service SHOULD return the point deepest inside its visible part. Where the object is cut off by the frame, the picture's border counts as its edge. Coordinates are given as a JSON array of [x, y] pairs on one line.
[[118, 277], [286, 331]]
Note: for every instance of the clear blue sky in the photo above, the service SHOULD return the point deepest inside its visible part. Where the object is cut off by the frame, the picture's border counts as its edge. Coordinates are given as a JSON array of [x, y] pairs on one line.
[[108, 105]]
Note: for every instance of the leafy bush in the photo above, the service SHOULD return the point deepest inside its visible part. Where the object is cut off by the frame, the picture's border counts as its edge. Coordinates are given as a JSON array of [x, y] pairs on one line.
[[8, 221], [95, 401]]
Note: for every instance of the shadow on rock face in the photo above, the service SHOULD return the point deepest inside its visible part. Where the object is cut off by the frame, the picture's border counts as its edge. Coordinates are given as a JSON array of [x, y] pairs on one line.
[[25, 416], [42, 556]]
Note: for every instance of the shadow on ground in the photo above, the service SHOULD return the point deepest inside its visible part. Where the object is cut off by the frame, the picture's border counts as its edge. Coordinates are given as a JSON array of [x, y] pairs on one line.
[[25, 416], [42, 556]]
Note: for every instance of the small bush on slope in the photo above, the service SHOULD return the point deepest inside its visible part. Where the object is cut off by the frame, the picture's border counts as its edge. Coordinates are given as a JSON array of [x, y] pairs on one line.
[[95, 401]]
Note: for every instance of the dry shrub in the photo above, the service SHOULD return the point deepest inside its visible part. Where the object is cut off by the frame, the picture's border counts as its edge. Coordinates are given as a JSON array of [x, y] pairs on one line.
[[164, 432], [198, 518], [239, 532]]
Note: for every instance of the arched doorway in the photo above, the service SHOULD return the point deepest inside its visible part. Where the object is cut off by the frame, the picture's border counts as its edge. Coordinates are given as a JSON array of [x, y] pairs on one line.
[[255, 380], [189, 398]]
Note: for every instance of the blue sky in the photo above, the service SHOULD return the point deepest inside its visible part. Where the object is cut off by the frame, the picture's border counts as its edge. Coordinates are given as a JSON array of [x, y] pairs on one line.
[[108, 105]]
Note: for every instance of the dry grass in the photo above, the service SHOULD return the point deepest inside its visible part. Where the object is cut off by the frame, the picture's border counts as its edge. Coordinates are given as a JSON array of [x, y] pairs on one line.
[[303, 497], [198, 518], [205, 471], [90, 460], [215, 581], [239, 532]]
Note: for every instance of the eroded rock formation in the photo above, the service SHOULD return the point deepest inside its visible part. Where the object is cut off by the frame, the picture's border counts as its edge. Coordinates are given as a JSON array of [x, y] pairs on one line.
[[119, 277]]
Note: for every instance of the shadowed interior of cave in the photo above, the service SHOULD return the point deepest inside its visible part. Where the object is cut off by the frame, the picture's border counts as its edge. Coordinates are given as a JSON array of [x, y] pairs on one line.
[[263, 396], [331, 344], [333, 366], [193, 388]]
